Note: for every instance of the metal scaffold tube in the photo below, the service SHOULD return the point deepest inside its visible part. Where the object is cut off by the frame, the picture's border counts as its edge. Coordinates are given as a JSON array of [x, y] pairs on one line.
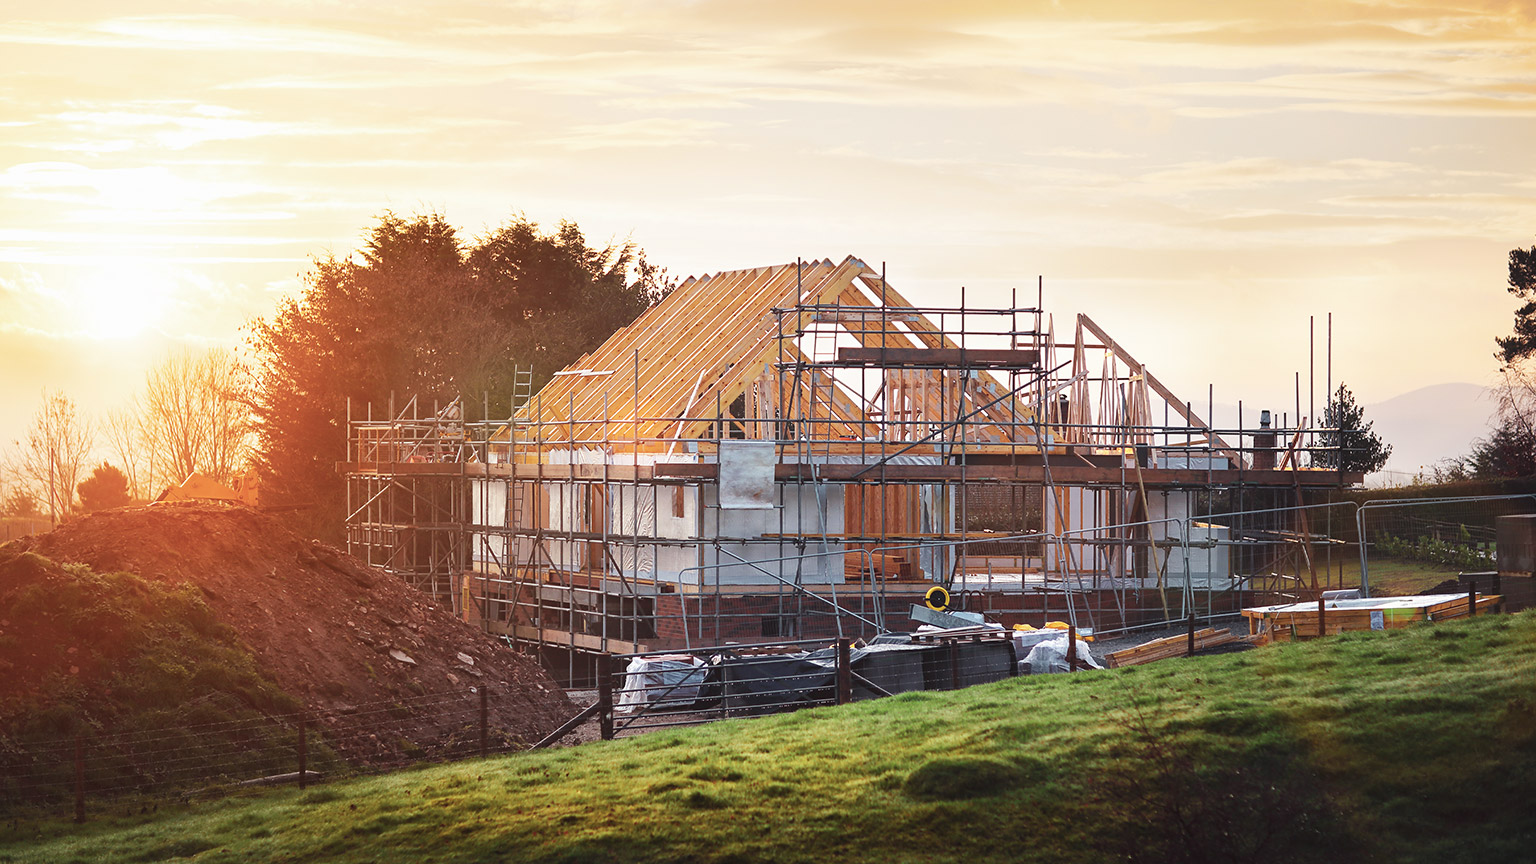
[[905, 446]]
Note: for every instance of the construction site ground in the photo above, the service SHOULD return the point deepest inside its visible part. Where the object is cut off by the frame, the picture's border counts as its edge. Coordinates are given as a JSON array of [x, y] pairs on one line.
[[1100, 647], [340, 637]]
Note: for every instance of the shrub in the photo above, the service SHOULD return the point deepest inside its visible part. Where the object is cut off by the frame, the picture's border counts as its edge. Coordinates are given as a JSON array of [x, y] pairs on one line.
[[1461, 555], [958, 778]]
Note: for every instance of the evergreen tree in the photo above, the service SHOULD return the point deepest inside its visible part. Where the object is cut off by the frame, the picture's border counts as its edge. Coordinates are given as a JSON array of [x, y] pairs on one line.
[[1349, 445], [419, 312], [107, 487], [1509, 451], [1522, 284]]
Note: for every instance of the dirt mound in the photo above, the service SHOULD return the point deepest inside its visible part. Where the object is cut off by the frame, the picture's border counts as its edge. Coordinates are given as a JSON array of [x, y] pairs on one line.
[[338, 635]]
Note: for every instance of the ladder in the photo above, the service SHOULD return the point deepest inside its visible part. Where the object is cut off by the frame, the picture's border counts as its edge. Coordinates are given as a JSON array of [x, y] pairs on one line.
[[522, 392], [522, 386]]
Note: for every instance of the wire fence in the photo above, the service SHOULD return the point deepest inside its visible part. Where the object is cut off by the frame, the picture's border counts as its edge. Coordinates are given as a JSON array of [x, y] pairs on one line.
[[72, 761], [12, 527], [91, 770], [169, 760], [660, 690], [1451, 534]]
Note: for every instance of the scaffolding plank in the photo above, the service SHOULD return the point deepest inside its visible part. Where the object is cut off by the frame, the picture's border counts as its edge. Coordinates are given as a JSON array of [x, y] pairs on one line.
[[547, 636]]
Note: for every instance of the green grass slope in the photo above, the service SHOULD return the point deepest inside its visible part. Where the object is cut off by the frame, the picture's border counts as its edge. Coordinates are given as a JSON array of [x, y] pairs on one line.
[[92, 654], [1413, 745]]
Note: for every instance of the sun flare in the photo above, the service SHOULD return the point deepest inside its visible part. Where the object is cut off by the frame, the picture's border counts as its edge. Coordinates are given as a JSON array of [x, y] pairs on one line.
[[123, 301]]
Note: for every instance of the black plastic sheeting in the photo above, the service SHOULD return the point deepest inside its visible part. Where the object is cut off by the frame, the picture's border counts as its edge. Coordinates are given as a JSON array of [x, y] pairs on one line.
[[750, 686]]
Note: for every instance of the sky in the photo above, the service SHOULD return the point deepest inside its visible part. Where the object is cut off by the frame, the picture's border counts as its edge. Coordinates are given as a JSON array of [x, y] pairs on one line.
[[1200, 178]]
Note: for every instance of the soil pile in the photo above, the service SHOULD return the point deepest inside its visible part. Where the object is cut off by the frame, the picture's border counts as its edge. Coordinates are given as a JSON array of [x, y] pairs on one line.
[[341, 637], [114, 646]]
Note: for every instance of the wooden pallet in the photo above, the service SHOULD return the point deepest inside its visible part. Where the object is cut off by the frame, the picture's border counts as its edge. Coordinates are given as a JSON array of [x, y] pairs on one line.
[[1172, 646], [1299, 620], [961, 634]]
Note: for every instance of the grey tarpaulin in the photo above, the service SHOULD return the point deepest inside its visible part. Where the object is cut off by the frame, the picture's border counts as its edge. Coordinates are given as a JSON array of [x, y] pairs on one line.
[[746, 475]]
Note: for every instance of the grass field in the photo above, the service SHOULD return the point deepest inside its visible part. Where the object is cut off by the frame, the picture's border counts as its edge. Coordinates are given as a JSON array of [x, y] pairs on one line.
[[1410, 745], [1394, 576], [1389, 576]]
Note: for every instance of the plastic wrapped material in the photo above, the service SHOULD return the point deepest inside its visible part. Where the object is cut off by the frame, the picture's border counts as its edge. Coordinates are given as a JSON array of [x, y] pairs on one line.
[[1025, 640], [672, 680], [750, 686], [1050, 655]]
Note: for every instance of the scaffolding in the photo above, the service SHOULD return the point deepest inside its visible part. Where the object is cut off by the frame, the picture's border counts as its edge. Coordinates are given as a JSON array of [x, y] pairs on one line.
[[799, 452]]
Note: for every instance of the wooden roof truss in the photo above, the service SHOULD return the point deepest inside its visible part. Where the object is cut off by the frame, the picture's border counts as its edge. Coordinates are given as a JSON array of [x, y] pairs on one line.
[[820, 353]]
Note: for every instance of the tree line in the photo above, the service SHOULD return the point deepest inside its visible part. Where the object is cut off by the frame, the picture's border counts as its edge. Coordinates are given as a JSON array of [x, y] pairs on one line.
[[191, 414], [421, 311], [417, 311], [1509, 449]]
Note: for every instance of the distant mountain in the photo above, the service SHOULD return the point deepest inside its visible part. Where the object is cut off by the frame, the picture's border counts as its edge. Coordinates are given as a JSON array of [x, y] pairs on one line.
[[1429, 424]]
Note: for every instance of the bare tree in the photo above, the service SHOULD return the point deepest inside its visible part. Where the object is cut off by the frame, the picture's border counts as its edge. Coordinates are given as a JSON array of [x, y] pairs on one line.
[[124, 430], [194, 416], [53, 455]]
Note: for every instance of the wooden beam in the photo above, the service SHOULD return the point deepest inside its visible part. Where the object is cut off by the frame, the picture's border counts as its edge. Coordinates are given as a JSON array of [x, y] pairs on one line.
[[564, 638], [1173, 401], [1062, 475], [518, 471], [742, 362], [946, 357]]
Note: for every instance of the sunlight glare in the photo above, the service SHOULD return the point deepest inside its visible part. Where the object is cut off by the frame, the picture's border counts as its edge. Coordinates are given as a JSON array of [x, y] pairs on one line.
[[124, 301]]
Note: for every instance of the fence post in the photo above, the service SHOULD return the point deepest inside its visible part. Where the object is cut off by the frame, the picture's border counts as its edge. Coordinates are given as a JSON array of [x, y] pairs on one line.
[[79, 779], [484, 723], [1190, 635], [1497, 589], [1071, 647], [844, 671], [604, 698], [1322, 617], [1472, 600], [303, 751], [725, 685]]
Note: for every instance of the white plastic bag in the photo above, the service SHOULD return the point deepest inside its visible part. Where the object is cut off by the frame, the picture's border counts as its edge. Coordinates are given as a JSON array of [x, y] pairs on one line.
[[669, 679], [1050, 655]]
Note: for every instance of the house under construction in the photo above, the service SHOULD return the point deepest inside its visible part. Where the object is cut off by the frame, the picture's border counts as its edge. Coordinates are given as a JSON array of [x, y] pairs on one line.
[[799, 452]]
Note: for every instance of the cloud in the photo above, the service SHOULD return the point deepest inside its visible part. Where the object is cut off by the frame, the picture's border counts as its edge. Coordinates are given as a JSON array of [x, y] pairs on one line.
[[24, 295], [140, 195], [648, 132], [230, 34], [1171, 148], [196, 124], [1290, 228], [1255, 172], [172, 126]]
